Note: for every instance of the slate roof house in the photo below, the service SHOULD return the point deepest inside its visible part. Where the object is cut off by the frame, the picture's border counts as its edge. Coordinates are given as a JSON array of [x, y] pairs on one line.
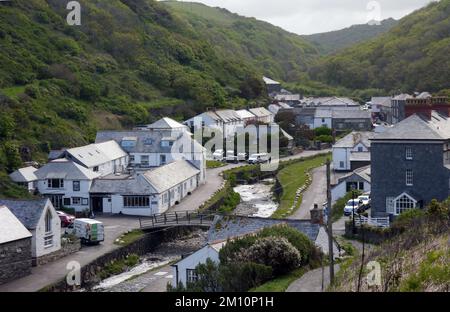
[[381, 108], [25, 177], [352, 151], [272, 85], [262, 115], [351, 119], [15, 247], [356, 180], [145, 194], [227, 121], [410, 165], [66, 183], [40, 218]]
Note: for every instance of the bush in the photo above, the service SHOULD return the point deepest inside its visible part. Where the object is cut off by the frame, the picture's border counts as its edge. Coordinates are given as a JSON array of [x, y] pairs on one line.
[[323, 131], [241, 277], [338, 207], [275, 252], [325, 138], [405, 219], [299, 240]]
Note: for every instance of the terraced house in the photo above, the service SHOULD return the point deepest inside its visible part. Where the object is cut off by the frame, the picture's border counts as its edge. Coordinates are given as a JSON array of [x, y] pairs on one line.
[[410, 165]]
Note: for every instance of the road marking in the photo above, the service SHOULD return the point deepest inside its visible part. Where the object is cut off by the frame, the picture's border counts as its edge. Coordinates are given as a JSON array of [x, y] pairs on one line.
[[161, 273]]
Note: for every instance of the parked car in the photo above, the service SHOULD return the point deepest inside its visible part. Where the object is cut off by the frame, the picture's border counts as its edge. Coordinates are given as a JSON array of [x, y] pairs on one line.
[[218, 155], [89, 231], [242, 156], [258, 158], [364, 201], [231, 157], [352, 204], [66, 219]]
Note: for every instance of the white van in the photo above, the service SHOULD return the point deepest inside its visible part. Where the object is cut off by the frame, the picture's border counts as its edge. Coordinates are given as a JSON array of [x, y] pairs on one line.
[[218, 155], [258, 158], [89, 231], [231, 157]]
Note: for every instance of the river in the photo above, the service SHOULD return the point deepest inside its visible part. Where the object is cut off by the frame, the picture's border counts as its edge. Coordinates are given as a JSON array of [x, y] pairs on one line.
[[256, 199]]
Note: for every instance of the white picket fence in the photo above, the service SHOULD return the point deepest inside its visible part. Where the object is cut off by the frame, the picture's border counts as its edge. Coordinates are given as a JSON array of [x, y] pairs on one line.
[[376, 222]]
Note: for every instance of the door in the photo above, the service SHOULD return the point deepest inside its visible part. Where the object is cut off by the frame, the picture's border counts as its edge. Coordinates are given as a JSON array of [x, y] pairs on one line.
[[97, 204]]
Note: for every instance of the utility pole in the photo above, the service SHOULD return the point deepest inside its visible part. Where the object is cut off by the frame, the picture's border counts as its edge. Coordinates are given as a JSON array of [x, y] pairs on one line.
[[330, 223]]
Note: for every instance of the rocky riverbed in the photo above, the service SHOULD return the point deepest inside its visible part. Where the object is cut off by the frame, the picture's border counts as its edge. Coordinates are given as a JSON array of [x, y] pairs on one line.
[[256, 199]]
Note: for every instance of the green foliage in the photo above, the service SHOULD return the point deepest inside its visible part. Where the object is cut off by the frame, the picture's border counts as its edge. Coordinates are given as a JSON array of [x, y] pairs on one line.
[[404, 220], [325, 138], [241, 277], [212, 164], [323, 131], [333, 41], [119, 266], [412, 56], [439, 210], [281, 283], [12, 156]]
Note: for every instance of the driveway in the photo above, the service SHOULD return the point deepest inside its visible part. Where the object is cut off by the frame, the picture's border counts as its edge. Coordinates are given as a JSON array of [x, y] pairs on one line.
[[315, 194], [313, 281], [53, 272]]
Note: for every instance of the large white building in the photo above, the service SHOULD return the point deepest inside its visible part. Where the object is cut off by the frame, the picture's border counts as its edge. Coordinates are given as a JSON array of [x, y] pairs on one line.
[[352, 151]]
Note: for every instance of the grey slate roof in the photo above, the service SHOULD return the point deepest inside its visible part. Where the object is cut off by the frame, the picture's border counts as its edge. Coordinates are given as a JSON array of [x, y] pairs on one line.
[[24, 175], [166, 123], [169, 176], [382, 100], [270, 81], [65, 169], [123, 185], [417, 128], [352, 139], [323, 113], [28, 212], [11, 229], [260, 112], [235, 226], [363, 172], [351, 114], [360, 156], [228, 115], [97, 154], [329, 101]]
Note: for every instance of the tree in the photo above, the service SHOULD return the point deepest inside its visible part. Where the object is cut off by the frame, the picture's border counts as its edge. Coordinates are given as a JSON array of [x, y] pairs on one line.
[[13, 160]]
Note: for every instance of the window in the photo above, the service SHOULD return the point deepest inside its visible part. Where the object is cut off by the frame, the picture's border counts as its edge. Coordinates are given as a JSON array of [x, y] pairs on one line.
[[390, 206], [96, 169], [145, 160], [48, 241], [55, 183], [76, 186], [132, 158], [191, 276], [409, 177], [136, 201], [361, 186], [165, 198], [85, 201], [162, 159], [148, 141], [360, 149], [409, 153], [66, 201], [76, 201], [341, 164], [48, 221], [404, 203]]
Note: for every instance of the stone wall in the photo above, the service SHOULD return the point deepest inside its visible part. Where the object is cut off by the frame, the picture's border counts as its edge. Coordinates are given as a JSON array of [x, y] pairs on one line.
[[145, 245], [15, 260], [66, 249], [372, 235]]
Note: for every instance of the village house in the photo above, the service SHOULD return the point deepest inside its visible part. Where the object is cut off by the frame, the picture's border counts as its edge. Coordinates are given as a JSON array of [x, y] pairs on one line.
[[104, 158], [410, 165], [25, 177], [290, 99], [247, 117], [329, 102], [356, 180], [272, 85], [262, 115], [66, 184], [381, 108], [351, 119], [145, 194], [40, 218], [352, 151], [323, 118], [228, 122], [15, 247], [276, 107]]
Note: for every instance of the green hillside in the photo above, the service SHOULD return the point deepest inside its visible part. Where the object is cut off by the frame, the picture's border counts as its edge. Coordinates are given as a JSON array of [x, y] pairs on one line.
[[333, 41], [276, 52], [412, 56]]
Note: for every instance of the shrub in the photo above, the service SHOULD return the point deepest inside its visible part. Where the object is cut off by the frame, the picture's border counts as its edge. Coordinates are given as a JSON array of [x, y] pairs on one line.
[[241, 277], [325, 138], [323, 131], [406, 218], [275, 252], [299, 240]]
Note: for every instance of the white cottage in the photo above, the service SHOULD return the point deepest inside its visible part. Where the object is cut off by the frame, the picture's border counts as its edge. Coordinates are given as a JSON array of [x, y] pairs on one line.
[[40, 218], [105, 157], [227, 121], [352, 151], [66, 184], [146, 194], [356, 180], [25, 177], [262, 115]]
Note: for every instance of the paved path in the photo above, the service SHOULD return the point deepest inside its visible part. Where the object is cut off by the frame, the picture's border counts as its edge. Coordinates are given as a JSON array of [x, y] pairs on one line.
[[312, 281], [53, 272], [315, 194]]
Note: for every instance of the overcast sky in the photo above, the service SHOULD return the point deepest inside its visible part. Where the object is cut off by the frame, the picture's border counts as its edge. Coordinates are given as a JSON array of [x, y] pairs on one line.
[[314, 16]]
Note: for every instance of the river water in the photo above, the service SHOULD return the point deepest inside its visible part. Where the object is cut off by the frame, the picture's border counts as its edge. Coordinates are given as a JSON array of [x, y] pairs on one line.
[[256, 199]]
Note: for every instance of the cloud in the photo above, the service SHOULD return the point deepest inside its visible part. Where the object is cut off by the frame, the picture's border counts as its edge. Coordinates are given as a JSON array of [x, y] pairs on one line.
[[314, 16]]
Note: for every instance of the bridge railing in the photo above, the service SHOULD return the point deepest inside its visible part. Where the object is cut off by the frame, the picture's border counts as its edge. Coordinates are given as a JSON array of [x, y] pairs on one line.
[[184, 218]]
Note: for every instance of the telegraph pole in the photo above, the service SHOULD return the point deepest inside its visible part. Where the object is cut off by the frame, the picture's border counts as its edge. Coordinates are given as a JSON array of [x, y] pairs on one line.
[[330, 223]]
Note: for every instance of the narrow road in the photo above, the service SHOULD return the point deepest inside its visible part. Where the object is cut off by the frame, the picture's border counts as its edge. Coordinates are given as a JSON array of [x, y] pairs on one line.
[[315, 194], [312, 281]]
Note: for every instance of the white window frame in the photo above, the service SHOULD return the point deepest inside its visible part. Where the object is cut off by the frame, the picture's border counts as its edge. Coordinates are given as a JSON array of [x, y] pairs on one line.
[[191, 276], [409, 153], [409, 177], [399, 209], [390, 205], [76, 201]]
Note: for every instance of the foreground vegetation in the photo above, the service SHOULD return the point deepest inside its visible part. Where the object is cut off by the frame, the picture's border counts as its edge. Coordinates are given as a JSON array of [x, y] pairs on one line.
[[250, 261], [415, 258]]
